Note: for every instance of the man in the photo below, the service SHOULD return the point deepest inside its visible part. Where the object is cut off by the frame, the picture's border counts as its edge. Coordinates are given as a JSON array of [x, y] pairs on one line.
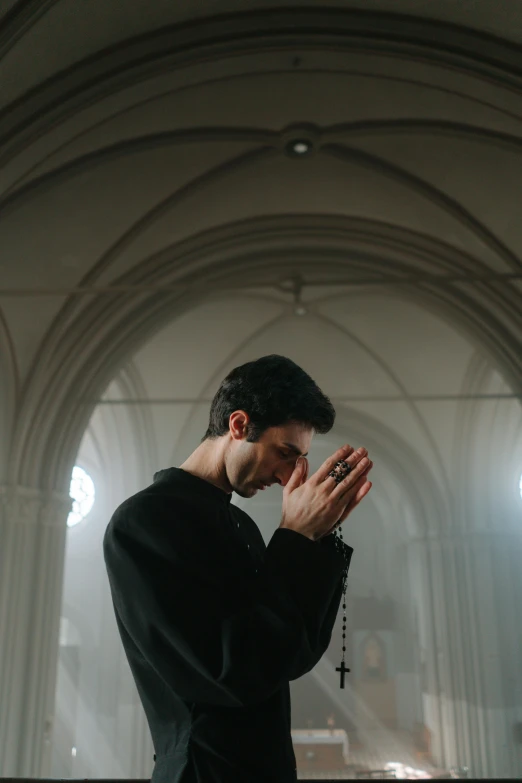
[[215, 624]]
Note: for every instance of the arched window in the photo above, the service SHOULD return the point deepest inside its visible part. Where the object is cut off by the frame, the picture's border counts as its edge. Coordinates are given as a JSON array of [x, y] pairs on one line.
[[83, 494]]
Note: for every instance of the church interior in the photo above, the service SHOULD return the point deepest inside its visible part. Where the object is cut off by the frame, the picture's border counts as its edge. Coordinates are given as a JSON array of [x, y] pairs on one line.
[[189, 186]]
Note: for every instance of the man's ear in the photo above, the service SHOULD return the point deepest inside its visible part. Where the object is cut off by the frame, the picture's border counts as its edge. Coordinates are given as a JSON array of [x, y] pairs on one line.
[[238, 423]]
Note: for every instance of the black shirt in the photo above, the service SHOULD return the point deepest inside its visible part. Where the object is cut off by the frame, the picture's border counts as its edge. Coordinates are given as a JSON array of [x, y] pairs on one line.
[[215, 624]]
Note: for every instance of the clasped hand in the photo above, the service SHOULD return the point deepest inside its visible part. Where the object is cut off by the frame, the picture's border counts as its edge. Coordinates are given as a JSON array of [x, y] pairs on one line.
[[316, 506]]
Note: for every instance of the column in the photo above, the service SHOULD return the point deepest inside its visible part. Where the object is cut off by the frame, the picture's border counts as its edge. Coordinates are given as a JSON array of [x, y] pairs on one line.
[[32, 534], [470, 594]]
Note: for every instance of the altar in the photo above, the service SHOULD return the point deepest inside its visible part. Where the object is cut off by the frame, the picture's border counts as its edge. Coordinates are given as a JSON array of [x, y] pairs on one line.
[[320, 748]]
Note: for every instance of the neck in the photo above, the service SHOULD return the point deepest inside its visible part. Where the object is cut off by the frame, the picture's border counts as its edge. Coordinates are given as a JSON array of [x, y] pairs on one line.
[[208, 463]]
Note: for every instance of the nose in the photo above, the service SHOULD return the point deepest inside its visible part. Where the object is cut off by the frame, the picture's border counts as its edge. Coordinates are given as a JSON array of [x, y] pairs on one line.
[[282, 476]]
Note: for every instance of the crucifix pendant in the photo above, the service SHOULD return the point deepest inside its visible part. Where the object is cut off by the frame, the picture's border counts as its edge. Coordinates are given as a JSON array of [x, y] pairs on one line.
[[342, 668]]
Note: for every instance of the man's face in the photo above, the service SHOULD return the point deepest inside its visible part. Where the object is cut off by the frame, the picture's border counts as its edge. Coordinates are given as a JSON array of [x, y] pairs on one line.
[[253, 466]]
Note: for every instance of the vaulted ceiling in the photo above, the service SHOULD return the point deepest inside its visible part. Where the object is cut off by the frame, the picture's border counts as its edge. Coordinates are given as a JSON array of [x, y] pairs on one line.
[[193, 169]]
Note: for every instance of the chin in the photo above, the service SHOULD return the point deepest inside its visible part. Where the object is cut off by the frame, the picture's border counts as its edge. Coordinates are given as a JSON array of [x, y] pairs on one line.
[[246, 492]]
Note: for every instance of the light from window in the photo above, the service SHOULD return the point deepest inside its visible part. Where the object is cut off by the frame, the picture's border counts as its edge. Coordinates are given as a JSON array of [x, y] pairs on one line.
[[82, 493]]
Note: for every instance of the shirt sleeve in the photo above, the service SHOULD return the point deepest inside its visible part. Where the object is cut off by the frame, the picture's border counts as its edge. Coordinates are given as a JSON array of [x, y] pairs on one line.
[[209, 639]]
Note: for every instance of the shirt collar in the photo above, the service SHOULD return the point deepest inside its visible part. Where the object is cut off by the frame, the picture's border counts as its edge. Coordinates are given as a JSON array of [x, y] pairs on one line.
[[199, 486]]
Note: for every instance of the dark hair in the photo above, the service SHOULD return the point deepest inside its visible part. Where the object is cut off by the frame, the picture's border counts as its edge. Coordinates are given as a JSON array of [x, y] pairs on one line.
[[273, 390]]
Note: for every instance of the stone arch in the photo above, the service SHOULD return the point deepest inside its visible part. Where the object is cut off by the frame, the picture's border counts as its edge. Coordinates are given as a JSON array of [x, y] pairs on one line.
[[73, 370], [96, 77]]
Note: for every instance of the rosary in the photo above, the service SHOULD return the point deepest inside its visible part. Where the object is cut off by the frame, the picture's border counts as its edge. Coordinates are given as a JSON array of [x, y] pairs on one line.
[[339, 472]]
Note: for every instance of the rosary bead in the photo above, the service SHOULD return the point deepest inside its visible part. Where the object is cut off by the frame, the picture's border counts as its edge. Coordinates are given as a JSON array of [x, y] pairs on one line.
[[338, 538]]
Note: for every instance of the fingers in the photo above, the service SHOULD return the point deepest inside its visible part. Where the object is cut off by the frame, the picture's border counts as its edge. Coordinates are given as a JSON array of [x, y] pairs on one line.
[[359, 467], [342, 453], [362, 488], [370, 466], [296, 479], [358, 490], [358, 461]]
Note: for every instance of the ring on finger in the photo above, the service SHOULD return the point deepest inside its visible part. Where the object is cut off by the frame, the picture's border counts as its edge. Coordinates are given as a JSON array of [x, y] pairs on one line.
[[340, 470]]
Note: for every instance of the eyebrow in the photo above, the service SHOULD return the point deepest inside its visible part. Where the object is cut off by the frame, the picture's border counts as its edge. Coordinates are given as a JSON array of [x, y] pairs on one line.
[[295, 449]]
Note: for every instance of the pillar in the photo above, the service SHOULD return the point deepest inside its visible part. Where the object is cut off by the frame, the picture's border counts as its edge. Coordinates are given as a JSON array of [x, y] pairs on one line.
[[471, 588], [32, 534]]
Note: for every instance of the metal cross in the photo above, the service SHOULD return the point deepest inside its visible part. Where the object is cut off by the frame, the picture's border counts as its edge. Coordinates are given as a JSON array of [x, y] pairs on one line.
[[342, 668]]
